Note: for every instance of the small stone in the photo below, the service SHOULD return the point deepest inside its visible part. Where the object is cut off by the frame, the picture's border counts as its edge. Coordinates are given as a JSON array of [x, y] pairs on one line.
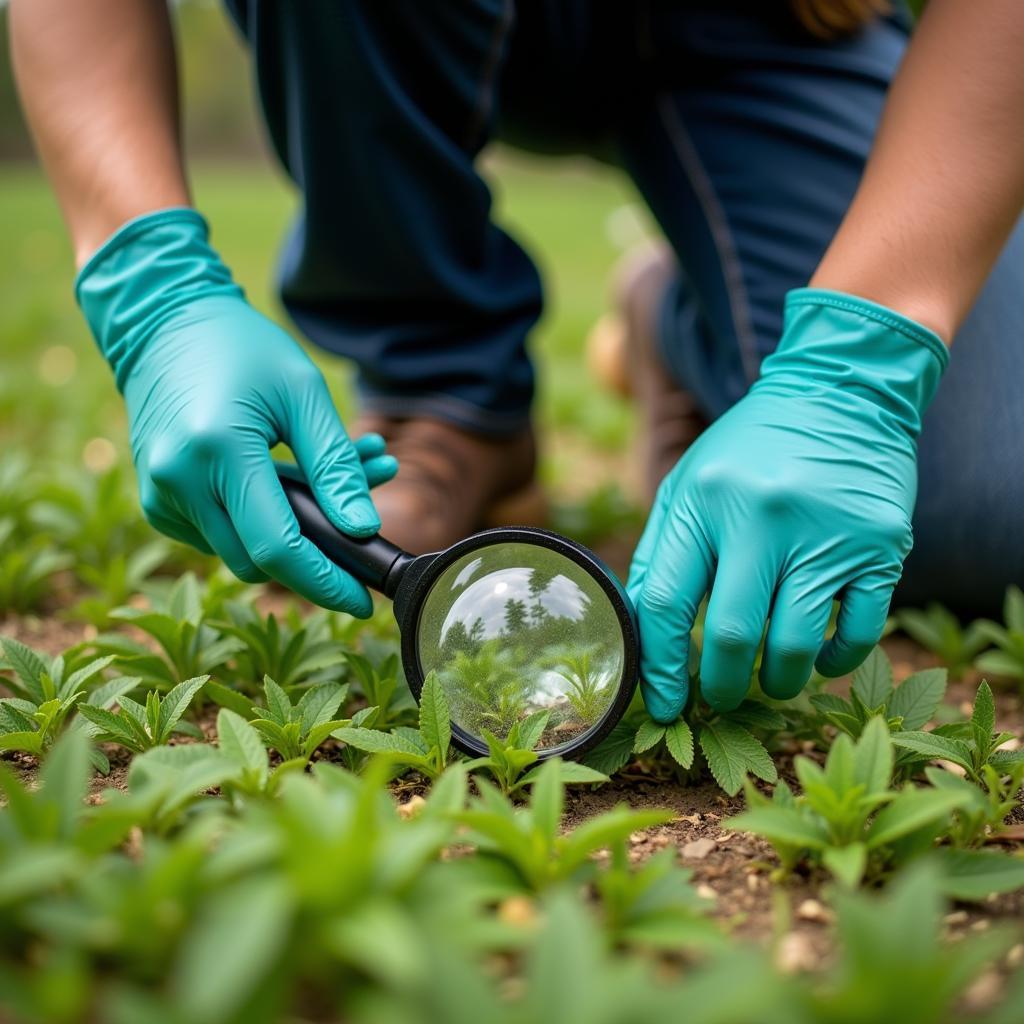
[[795, 952], [411, 807], [980, 926], [1015, 956], [636, 838], [984, 992], [753, 882], [691, 819], [518, 911], [957, 917], [812, 910], [698, 849], [705, 892]]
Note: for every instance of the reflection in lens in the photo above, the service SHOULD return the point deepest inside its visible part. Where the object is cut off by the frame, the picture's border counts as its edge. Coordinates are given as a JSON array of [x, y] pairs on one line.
[[522, 637]]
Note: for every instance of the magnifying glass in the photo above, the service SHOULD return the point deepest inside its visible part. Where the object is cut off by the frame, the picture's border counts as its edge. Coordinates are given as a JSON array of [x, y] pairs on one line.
[[514, 621]]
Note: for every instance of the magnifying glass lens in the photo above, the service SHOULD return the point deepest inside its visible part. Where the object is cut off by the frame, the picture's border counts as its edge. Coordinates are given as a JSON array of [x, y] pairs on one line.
[[515, 629]]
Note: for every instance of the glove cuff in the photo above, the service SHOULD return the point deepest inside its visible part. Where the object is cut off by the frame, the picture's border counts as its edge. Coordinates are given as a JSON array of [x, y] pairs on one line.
[[147, 270], [842, 342]]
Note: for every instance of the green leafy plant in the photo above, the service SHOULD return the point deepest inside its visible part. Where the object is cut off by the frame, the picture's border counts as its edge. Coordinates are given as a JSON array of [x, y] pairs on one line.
[[509, 760], [973, 745], [140, 727], [530, 839], [425, 748], [1008, 638], [47, 692], [190, 647], [241, 743], [26, 570], [874, 695], [938, 630], [986, 804], [296, 730], [589, 692], [382, 688], [847, 819], [289, 650], [115, 580]]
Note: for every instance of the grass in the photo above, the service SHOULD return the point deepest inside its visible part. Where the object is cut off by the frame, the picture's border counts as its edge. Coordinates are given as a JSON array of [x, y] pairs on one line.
[[56, 395]]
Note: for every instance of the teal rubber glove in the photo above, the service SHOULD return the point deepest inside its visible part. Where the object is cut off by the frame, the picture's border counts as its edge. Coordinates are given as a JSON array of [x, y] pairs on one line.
[[211, 386], [800, 494]]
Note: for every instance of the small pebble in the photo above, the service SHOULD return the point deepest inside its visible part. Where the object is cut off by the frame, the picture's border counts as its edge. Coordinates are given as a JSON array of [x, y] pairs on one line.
[[705, 892], [1015, 956], [411, 807], [812, 910], [518, 911], [795, 952], [698, 849], [957, 917]]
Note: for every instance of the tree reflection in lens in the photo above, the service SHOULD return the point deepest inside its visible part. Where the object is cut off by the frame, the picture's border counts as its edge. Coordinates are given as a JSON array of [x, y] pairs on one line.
[[516, 629]]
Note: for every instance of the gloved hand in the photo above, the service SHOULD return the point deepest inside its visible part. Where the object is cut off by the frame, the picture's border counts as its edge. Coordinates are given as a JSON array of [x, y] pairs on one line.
[[799, 494], [211, 386]]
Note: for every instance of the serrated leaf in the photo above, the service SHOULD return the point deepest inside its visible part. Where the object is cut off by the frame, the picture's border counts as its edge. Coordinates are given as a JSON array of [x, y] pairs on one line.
[[976, 874], [28, 666], [614, 752], [781, 824], [732, 752], [934, 747], [374, 741], [241, 742], [847, 863], [917, 697], [318, 704], [983, 719], [526, 733], [679, 742], [435, 716], [279, 707], [173, 706], [872, 758], [911, 810], [872, 681], [755, 714], [649, 733]]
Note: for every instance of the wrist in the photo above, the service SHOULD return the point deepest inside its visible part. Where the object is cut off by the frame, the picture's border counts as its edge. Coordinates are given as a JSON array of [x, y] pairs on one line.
[[843, 347], [149, 268]]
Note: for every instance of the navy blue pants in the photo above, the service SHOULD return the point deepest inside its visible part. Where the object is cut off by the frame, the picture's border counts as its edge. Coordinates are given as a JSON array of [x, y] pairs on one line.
[[746, 138]]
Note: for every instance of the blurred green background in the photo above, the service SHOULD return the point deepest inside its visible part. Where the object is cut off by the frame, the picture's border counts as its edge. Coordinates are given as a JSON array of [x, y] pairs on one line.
[[57, 399]]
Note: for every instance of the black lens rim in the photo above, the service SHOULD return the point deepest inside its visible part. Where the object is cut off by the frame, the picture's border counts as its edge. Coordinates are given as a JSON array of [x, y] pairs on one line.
[[579, 555]]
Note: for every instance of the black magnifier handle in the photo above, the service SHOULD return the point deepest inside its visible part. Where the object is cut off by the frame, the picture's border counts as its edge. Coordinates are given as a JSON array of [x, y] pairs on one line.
[[373, 561]]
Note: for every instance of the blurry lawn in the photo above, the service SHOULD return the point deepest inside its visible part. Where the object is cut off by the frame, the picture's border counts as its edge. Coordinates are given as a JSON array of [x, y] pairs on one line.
[[56, 395]]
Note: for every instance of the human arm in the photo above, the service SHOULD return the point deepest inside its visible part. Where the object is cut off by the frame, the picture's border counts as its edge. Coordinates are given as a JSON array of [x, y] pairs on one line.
[[803, 492], [210, 384]]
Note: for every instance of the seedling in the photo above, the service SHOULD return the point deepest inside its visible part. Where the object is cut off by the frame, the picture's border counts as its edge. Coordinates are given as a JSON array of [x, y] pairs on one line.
[[190, 647], [296, 730], [847, 819], [509, 759], [382, 688], [291, 652], [972, 745], [140, 727], [240, 742], [938, 630], [426, 748], [529, 838], [114, 581], [589, 691], [1008, 659], [47, 694], [873, 695], [26, 570]]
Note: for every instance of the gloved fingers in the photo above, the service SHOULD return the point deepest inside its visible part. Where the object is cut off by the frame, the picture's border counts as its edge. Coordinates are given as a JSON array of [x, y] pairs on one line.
[[862, 613], [270, 534], [796, 632], [161, 518], [648, 541], [221, 535], [329, 460], [378, 466], [735, 621], [667, 601]]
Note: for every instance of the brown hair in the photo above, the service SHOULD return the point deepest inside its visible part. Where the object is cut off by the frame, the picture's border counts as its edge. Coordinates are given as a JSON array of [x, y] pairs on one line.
[[830, 19]]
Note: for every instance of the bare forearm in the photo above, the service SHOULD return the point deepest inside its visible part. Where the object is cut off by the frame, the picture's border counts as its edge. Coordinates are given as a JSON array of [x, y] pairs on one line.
[[945, 182], [99, 86]]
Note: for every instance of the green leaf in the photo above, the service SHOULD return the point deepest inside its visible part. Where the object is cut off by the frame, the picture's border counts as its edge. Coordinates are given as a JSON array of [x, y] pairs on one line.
[[917, 697], [435, 717], [872, 681], [374, 741], [107, 694], [934, 747], [547, 799], [173, 706], [781, 824], [29, 741], [113, 728], [64, 780], [983, 720], [225, 697], [240, 741], [847, 863], [28, 666], [614, 752], [279, 706], [911, 810], [679, 741], [999, 663], [319, 703], [976, 874], [649, 733], [732, 752], [526, 734], [319, 733], [755, 714], [873, 758], [1013, 609]]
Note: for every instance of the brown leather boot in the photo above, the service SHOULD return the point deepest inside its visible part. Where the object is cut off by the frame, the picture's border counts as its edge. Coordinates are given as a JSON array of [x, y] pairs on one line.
[[451, 483], [623, 354]]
